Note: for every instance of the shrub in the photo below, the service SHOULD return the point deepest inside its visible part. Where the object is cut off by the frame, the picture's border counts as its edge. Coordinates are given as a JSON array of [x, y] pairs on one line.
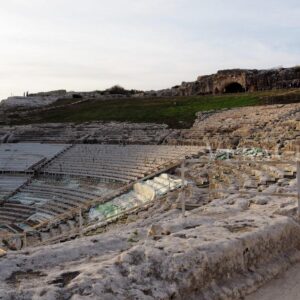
[[117, 89]]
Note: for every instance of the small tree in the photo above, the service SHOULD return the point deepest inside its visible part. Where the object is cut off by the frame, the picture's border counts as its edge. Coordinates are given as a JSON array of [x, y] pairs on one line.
[[297, 68], [117, 89]]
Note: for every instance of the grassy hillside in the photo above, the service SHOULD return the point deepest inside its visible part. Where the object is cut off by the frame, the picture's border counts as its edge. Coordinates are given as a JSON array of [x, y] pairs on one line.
[[176, 112]]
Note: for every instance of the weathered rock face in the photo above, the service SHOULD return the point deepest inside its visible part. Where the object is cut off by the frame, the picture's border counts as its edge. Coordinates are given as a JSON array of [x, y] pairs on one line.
[[237, 80], [27, 102], [34, 100], [272, 127]]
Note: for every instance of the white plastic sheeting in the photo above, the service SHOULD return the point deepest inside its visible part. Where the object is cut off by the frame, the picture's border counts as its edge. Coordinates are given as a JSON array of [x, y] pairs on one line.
[[142, 193]]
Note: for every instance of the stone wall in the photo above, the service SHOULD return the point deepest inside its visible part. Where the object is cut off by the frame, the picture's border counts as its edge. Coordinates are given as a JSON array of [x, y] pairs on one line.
[[247, 80]]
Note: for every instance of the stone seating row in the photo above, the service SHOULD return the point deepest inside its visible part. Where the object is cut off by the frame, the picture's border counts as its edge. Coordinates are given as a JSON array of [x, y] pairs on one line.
[[8, 184], [123, 163], [116, 163], [95, 131], [44, 198], [11, 212], [21, 157]]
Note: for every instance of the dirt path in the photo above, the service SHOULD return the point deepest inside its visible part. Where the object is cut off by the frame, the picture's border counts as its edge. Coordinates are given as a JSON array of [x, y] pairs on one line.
[[285, 287]]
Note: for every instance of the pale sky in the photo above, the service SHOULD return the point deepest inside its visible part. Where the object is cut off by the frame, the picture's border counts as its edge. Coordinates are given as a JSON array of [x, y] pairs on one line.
[[143, 44]]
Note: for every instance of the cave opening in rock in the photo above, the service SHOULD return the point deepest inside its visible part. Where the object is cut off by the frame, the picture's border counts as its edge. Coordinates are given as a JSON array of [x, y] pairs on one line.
[[234, 87]]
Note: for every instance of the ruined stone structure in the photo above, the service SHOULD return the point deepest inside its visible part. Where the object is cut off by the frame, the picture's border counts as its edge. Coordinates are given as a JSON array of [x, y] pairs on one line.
[[215, 205], [237, 80]]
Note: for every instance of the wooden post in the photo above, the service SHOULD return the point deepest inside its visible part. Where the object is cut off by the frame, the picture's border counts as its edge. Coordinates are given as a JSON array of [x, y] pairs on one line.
[[24, 240], [298, 186], [80, 222], [209, 184], [182, 188]]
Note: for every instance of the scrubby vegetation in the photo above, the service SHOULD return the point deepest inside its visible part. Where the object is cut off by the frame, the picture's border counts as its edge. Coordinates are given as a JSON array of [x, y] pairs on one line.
[[119, 90]]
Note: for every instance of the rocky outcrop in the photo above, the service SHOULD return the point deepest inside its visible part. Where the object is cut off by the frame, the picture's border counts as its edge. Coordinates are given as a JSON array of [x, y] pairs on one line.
[[34, 100], [237, 80], [225, 256], [56, 93], [27, 102], [42, 99]]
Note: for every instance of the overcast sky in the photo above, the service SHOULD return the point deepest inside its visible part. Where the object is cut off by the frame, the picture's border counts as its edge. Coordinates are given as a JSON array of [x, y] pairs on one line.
[[144, 44]]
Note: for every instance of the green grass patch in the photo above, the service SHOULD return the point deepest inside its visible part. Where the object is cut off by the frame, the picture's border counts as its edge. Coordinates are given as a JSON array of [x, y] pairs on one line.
[[177, 112]]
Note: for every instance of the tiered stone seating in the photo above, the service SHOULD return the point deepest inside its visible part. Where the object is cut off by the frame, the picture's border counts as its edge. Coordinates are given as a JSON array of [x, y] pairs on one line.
[[269, 127], [94, 132], [9, 183], [54, 194], [53, 133], [254, 176], [13, 212], [116, 163], [53, 197], [24, 156], [4, 133], [128, 133]]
